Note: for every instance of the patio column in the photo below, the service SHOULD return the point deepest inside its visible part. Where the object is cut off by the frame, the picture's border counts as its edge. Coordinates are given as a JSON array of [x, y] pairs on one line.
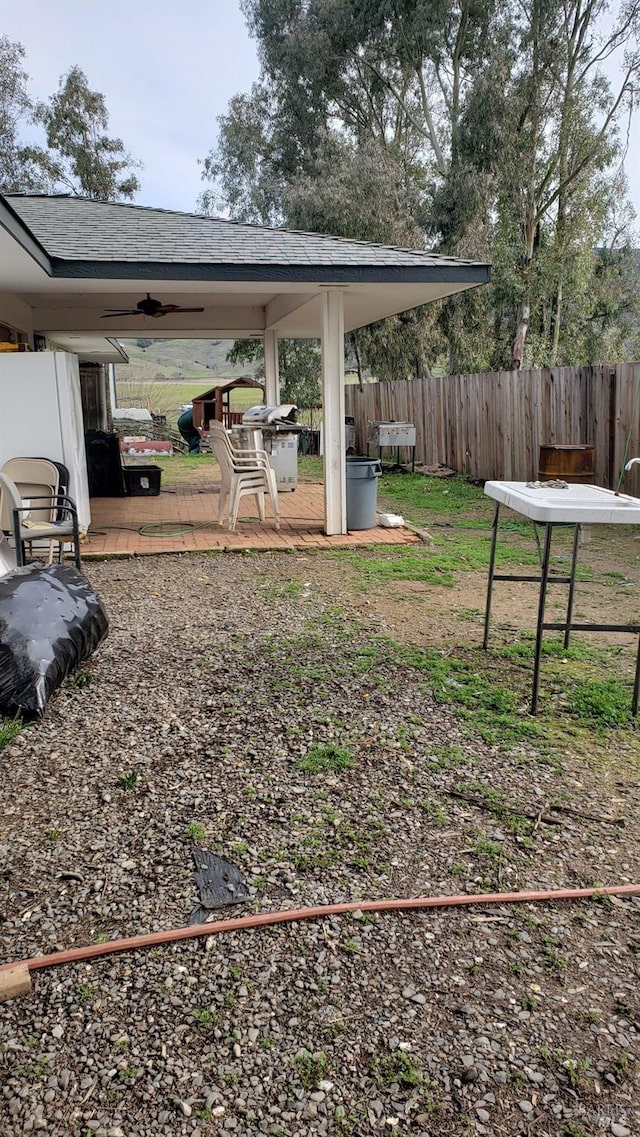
[[335, 490], [271, 374]]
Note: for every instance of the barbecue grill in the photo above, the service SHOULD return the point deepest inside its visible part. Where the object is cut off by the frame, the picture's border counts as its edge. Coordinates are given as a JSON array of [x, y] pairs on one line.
[[280, 436], [393, 434]]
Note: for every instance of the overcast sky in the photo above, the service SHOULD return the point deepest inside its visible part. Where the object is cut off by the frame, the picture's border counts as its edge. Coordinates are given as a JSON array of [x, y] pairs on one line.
[[167, 68]]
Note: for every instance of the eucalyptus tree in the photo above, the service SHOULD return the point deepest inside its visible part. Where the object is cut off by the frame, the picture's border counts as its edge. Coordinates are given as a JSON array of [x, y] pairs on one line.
[[23, 167], [483, 128], [561, 124], [88, 162]]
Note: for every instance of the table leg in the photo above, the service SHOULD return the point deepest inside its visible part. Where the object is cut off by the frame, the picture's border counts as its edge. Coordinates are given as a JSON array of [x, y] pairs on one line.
[[572, 584], [636, 685], [541, 606], [492, 565]]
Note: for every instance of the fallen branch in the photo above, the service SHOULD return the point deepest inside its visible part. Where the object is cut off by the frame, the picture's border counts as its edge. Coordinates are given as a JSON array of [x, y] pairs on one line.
[[503, 807], [500, 807], [619, 821]]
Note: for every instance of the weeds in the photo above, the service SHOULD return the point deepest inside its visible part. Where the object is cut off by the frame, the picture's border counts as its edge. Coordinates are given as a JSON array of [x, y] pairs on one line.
[[485, 848], [605, 702], [294, 588], [9, 729], [447, 758], [196, 831], [399, 1067], [81, 678], [352, 947], [128, 780], [574, 1068], [439, 565], [551, 957], [434, 812], [203, 1017], [325, 759], [35, 1071], [311, 1068]]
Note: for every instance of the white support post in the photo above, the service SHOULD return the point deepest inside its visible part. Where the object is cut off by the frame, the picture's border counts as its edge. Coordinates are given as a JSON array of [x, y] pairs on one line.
[[271, 373], [335, 484]]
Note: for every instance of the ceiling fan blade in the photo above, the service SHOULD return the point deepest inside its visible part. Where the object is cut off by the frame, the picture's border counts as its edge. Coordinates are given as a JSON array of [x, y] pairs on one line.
[[177, 308], [129, 312]]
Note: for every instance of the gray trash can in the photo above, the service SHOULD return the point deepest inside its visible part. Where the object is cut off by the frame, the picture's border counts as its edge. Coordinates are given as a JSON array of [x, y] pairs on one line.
[[362, 492]]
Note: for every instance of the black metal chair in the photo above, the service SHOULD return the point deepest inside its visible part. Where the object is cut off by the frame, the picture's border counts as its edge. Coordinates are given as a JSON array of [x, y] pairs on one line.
[[25, 531]]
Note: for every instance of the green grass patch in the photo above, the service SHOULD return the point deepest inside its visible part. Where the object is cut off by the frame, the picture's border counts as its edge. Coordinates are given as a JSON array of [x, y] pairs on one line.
[[9, 729], [310, 467], [603, 701], [551, 649], [179, 468], [415, 493], [451, 555], [325, 759], [399, 1067], [196, 831], [311, 1068]]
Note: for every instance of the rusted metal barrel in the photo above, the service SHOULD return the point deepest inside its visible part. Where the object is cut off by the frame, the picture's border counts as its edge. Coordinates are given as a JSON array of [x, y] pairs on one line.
[[573, 464]]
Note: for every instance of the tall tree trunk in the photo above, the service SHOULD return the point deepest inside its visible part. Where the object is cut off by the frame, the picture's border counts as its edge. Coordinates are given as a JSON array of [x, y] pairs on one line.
[[524, 308], [356, 352], [556, 317], [522, 327]]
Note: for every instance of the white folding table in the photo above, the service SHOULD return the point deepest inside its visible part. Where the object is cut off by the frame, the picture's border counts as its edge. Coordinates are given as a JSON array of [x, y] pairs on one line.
[[549, 505]]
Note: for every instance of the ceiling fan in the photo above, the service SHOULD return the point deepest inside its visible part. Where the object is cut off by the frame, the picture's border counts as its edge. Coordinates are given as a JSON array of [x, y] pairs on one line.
[[148, 307]]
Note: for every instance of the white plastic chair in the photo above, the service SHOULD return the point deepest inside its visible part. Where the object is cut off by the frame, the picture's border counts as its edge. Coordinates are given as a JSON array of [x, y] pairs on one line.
[[242, 472], [34, 477], [25, 530]]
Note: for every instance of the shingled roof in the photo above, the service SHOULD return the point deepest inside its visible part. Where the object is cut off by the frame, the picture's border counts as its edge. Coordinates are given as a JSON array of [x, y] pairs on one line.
[[79, 232]]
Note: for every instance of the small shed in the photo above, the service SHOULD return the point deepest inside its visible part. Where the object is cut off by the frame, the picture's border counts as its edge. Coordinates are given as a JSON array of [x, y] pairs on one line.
[[216, 402]]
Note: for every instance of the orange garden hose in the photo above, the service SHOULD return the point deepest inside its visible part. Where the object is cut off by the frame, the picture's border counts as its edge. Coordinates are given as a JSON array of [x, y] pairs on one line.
[[293, 915]]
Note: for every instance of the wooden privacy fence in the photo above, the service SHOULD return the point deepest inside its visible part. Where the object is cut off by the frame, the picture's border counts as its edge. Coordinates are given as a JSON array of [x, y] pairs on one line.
[[492, 425]]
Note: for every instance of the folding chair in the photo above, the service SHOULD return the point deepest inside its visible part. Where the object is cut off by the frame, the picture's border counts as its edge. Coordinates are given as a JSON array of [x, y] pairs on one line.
[[25, 529]]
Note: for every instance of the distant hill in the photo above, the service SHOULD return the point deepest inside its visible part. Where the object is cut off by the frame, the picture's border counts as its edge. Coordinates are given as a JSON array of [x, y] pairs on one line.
[[178, 359]]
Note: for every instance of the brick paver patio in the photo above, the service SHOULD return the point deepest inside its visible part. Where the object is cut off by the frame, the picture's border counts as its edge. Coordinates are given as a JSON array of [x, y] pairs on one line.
[[124, 526]]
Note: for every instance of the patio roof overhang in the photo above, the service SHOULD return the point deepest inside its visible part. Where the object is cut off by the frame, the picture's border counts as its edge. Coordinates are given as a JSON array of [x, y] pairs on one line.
[[64, 261]]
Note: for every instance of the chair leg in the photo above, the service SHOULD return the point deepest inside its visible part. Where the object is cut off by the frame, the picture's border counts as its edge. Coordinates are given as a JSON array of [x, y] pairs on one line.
[[276, 507], [222, 500], [234, 505], [76, 542], [19, 543], [260, 505]]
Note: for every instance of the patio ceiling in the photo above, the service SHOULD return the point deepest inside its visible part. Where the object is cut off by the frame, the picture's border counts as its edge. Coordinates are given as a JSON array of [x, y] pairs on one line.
[[65, 260]]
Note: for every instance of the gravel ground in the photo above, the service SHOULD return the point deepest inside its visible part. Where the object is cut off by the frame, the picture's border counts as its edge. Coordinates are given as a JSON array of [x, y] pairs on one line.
[[219, 676]]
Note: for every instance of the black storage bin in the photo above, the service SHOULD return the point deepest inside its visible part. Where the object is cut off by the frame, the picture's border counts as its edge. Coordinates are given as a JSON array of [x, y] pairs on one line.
[[142, 481], [104, 464]]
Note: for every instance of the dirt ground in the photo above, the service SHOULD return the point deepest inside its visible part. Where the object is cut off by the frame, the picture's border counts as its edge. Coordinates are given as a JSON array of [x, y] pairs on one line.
[[273, 709]]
